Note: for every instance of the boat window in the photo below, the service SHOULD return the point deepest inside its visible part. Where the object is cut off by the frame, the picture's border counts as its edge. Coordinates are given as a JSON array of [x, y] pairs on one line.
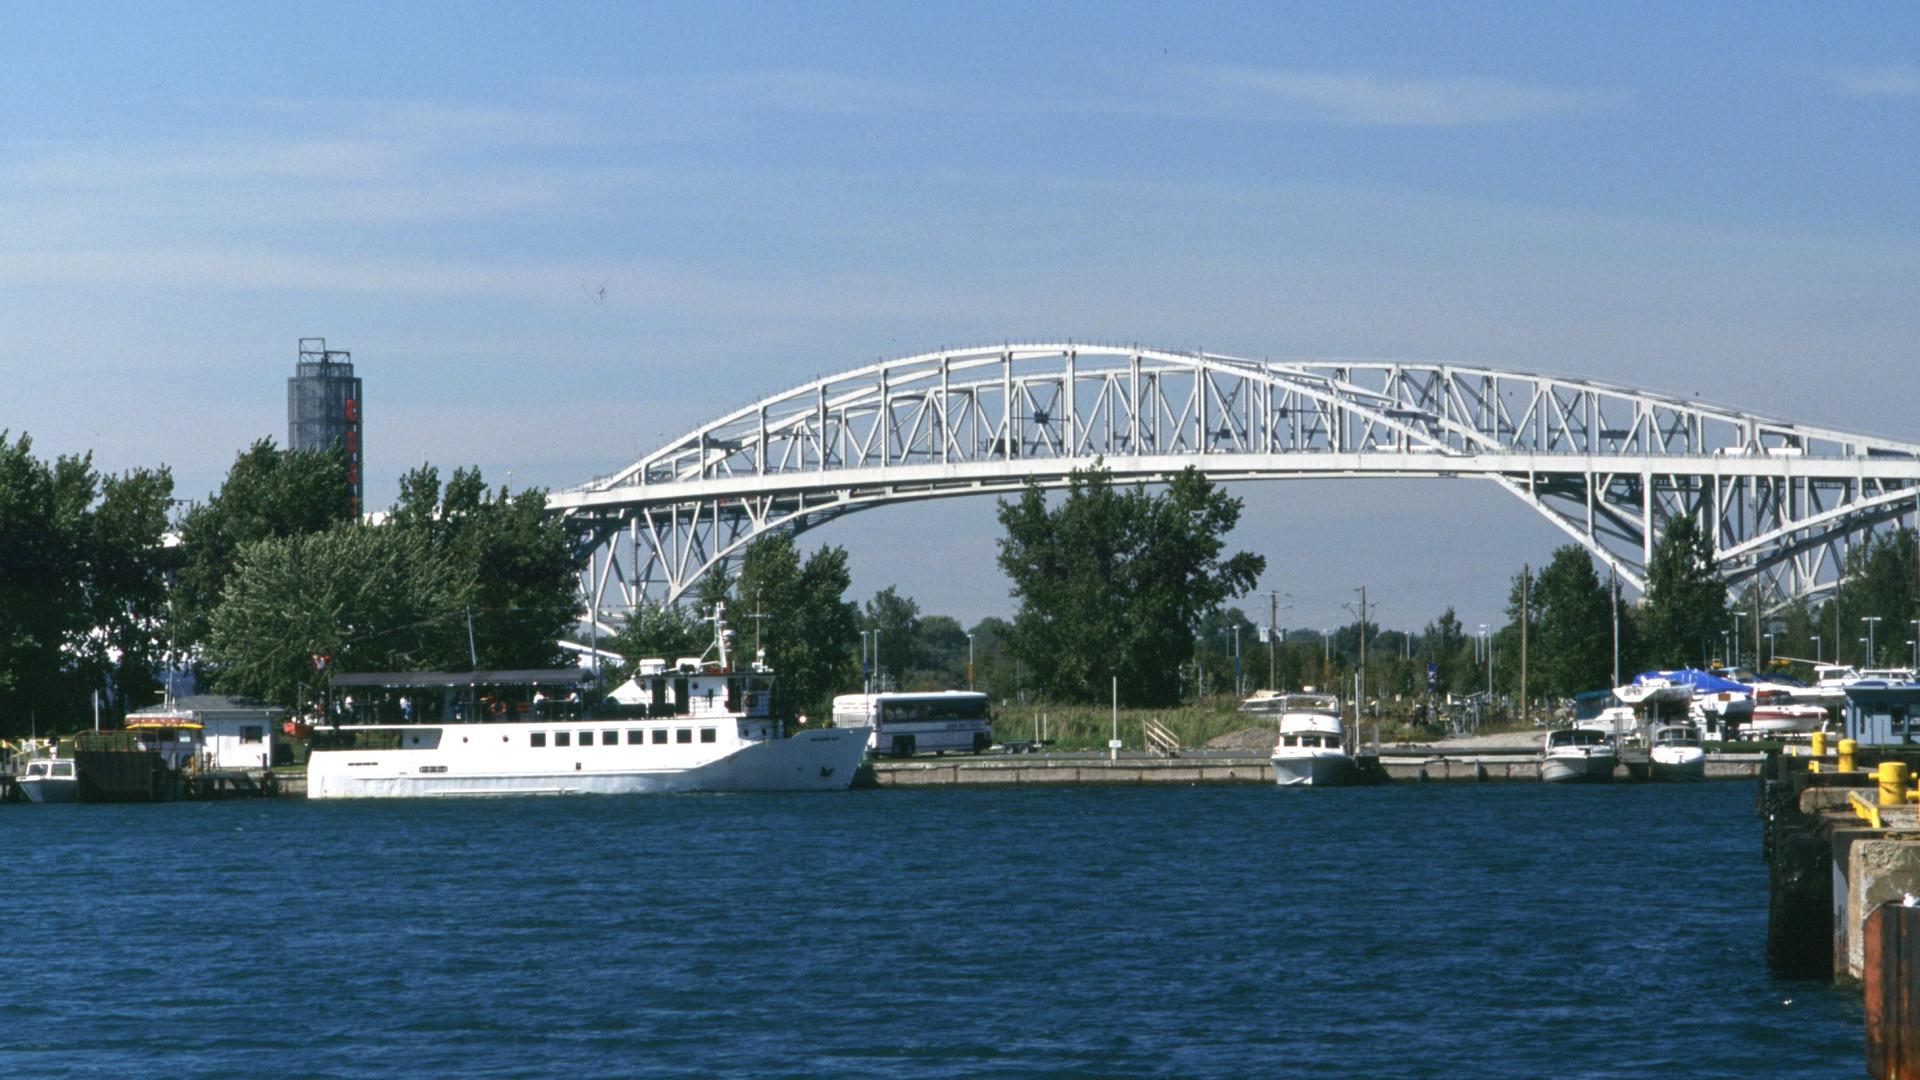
[[609, 738], [660, 735], [683, 735], [707, 734], [563, 738], [635, 736], [62, 768], [586, 738], [539, 738], [36, 770]]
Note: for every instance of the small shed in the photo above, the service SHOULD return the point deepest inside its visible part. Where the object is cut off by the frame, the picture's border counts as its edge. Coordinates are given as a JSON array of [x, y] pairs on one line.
[[239, 731], [1883, 713]]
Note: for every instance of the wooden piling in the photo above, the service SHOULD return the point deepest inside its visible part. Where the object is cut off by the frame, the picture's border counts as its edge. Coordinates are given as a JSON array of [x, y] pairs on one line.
[[1892, 978]]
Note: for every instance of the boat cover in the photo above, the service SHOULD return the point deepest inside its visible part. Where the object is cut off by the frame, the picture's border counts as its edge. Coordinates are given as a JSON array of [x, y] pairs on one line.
[[1703, 682]]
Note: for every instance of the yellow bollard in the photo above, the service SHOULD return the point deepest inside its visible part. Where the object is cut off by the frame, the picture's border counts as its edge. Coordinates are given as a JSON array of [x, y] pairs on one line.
[[1846, 754], [1819, 744], [1813, 766], [1893, 783]]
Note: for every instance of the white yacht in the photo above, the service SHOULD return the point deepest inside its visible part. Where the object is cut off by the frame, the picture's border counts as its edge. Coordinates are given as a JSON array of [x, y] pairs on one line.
[[1574, 755], [1310, 750], [1677, 753], [49, 779], [695, 725]]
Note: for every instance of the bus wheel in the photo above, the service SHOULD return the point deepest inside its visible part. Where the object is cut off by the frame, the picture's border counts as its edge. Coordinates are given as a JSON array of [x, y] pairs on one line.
[[903, 746], [981, 741]]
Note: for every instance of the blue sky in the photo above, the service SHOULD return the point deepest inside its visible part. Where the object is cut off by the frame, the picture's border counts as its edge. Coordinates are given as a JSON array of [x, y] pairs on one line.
[[1717, 200]]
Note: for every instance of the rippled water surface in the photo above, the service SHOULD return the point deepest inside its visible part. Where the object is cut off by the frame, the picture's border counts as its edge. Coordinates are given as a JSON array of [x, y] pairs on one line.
[[1495, 931]]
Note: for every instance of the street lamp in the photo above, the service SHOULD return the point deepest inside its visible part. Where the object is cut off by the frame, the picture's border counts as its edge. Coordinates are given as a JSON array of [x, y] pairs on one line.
[[1724, 646], [866, 681], [1772, 652], [1865, 644], [1816, 648], [1870, 620], [969, 661], [1916, 653], [1733, 659]]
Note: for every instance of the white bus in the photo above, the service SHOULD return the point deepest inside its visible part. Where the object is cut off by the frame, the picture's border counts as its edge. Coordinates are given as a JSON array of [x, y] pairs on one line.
[[908, 724]]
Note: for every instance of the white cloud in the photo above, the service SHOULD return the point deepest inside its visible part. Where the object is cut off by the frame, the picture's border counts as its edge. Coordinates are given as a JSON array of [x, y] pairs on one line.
[[1361, 98], [1890, 81]]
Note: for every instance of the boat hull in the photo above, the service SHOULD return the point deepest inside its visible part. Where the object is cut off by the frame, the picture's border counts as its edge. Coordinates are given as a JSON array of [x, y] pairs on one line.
[[1318, 770], [823, 760], [1577, 769], [45, 789], [1677, 763]]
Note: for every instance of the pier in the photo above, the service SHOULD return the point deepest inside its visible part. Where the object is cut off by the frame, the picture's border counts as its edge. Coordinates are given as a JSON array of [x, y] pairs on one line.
[[1842, 843], [1411, 764]]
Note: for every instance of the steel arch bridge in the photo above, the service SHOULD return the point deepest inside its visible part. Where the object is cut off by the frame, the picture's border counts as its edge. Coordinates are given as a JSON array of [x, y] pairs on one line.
[[1609, 465]]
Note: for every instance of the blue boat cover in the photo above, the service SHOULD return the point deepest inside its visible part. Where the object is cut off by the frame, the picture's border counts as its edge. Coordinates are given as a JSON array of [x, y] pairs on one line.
[[1703, 682]]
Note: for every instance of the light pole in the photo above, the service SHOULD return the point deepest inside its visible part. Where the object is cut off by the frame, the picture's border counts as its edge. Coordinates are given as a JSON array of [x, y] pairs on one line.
[[1723, 644], [1486, 657], [1772, 652], [1733, 659], [866, 680], [969, 661], [1239, 693], [1916, 634], [1865, 643], [1916, 653], [1872, 659], [1816, 648]]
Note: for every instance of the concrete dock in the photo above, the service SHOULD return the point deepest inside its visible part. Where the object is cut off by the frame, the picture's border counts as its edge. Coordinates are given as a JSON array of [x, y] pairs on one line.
[[1388, 765], [1843, 853]]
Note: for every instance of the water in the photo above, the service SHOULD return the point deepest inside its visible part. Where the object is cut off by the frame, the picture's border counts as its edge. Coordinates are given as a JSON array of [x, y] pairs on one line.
[[1500, 931]]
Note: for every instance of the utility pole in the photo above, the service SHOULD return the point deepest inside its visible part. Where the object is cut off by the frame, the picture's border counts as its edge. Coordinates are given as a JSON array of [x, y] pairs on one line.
[[1613, 580], [1526, 603], [1360, 680], [1756, 624], [1273, 646]]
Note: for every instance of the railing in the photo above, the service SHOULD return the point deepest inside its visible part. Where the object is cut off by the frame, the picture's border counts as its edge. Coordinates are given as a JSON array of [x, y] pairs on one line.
[[1158, 739]]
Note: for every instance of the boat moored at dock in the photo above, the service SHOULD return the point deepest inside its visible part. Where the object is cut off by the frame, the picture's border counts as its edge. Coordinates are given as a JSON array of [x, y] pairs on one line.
[[1577, 755], [1677, 753], [695, 725], [1310, 749]]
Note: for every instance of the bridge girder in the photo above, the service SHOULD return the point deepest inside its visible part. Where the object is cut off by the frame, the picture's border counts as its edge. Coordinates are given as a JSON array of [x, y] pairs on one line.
[[1607, 464]]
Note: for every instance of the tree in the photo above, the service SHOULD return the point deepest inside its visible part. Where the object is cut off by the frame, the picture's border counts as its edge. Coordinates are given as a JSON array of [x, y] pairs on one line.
[[1574, 651], [82, 593], [896, 619], [662, 631], [1686, 602], [811, 631], [940, 654], [524, 593], [1114, 583], [369, 598], [268, 494], [1878, 581]]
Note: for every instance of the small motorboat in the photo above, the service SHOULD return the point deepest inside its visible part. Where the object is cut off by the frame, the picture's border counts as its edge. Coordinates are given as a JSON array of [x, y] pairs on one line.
[[1309, 751], [49, 780], [1677, 754], [1773, 721], [1576, 755]]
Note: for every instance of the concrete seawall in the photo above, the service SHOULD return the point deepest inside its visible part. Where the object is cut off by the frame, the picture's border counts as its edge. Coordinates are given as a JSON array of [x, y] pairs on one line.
[[1388, 766]]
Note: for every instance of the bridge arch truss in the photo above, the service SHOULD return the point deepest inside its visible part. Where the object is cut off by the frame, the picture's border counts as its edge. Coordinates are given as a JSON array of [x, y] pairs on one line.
[[1608, 465]]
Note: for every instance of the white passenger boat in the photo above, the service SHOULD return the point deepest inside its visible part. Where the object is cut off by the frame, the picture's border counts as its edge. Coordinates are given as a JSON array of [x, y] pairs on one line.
[[49, 779], [1677, 753], [697, 725], [1573, 755], [1310, 750]]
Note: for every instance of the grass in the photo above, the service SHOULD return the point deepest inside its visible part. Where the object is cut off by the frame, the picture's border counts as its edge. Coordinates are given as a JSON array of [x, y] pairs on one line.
[[1085, 727]]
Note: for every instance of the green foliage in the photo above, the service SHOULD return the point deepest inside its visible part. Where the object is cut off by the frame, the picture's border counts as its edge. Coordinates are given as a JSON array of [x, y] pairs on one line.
[[896, 621], [268, 494], [662, 631], [524, 592], [811, 632], [1686, 602], [371, 598], [1879, 581], [1574, 652], [82, 588], [1115, 582]]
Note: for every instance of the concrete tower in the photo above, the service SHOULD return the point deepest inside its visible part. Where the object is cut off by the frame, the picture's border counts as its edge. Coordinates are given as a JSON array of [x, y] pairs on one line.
[[324, 407]]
